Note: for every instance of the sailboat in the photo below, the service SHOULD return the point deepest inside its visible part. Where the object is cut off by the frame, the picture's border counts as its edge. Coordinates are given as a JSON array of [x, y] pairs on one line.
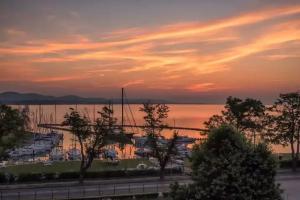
[[74, 154], [123, 95], [56, 154]]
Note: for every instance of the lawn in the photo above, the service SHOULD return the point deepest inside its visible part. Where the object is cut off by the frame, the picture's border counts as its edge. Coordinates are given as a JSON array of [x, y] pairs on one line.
[[72, 166]]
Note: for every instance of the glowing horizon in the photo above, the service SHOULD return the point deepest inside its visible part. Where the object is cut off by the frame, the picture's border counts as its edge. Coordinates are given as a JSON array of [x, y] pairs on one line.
[[61, 48]]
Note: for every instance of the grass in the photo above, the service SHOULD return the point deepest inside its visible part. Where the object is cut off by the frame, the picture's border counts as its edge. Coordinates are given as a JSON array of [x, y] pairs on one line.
[[72, 166]]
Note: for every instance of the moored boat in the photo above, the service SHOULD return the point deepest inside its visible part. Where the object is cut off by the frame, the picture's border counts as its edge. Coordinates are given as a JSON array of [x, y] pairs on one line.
[[74, 154]]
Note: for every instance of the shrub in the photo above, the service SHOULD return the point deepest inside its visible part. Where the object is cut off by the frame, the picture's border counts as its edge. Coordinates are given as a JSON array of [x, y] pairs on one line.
[[287, 164], [10, 178], [228, 166], [2, 178], [35, 177], [50, 176], [68, 175], [31, 177]]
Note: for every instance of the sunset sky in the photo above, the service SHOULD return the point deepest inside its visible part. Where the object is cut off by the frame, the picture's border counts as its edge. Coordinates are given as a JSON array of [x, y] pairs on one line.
[[180, 50]]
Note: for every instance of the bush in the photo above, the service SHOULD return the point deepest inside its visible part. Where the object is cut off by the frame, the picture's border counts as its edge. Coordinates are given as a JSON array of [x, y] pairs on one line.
[[31, 177], [228, 166], [287, 164], [10, 178], [106, 174], [35, 177], [2, 178], [68, 175], [50, 176], [7, 178]]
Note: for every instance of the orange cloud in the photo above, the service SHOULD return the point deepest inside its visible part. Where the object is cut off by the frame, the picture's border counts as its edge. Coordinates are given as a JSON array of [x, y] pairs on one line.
[[178, 53], [135, 82], [279, 34], [142, 49], [165, 32], [201, 87], [282, 56], [58, 78]]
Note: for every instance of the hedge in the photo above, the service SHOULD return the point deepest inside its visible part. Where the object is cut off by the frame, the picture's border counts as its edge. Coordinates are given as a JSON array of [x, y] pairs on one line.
[[287, 164], [35, 177]]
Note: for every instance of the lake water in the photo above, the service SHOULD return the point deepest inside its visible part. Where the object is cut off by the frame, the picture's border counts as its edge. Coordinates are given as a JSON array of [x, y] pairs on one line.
[[183, 115]]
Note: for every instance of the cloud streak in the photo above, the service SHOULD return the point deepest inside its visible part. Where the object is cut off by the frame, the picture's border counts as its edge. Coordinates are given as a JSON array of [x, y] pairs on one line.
[[176, 53], [165, 32]]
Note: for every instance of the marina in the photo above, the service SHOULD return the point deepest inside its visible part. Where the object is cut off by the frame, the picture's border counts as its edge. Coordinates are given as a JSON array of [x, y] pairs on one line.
[[39, 145], [52, 145], [42, 149], [166, 100]]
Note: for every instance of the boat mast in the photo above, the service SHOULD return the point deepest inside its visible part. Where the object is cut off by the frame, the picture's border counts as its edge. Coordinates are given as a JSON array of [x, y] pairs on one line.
[[40, 113], [94, 113], [122, 120], [55, 113]]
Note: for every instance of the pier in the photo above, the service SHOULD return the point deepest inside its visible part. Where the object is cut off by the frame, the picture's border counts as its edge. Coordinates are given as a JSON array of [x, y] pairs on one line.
[[64, 128]]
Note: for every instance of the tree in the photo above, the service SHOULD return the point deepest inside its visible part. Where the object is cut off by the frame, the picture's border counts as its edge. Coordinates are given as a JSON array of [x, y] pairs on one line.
[[284, 124], [92, 138], [228, 166], [162, 150], [13, 125], [245, 115]]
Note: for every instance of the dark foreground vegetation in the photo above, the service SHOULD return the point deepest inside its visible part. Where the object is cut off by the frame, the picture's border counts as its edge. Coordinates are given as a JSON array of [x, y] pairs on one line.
[[228, 166], [235, 162], [276, 124], [13, 128], [8, 178], [155, 116]]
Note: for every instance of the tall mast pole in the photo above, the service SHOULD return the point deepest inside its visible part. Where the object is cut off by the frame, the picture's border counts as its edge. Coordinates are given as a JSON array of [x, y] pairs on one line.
[[122, 108], [55, 113], [40, 113], [94, 113]]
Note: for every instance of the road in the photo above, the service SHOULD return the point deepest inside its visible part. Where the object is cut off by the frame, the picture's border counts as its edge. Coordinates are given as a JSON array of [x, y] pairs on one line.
[[290, 184], [139, 186]]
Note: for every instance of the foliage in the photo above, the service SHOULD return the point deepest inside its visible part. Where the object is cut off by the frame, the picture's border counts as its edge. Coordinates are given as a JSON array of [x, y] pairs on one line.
[[13, 124], [162, 150], [284, 164], [111, 173], [72, 166], [245, 115], [92, 138], [284, 124], [155, 117], [227, 166]]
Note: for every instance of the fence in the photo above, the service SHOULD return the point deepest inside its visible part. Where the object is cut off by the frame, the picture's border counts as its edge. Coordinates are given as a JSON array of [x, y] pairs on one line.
[[84, 191]]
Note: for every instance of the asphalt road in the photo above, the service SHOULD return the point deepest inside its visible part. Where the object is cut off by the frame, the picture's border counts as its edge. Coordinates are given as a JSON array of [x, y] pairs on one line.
[[290, 184], [291, 187], [90, 190]]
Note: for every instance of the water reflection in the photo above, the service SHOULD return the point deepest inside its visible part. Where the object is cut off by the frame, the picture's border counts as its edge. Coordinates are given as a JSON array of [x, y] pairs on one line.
[[184, 115]]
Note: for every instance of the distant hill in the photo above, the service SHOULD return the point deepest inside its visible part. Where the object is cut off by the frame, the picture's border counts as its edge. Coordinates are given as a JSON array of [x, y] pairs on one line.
[[33, 98]]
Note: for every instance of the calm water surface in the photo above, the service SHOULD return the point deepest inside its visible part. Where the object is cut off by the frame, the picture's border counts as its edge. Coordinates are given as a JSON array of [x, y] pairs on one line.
[[185, 115]]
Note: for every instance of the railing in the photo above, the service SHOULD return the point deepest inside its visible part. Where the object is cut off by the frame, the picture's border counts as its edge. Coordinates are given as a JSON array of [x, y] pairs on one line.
[[64, 128], [84, 191], [89, 191]]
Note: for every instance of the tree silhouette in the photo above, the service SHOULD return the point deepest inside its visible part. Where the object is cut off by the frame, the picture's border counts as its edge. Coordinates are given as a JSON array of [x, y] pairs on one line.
[[162, 150], [284, 124], [228, 166], [246, 116], [13, 125], [93, 138]]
